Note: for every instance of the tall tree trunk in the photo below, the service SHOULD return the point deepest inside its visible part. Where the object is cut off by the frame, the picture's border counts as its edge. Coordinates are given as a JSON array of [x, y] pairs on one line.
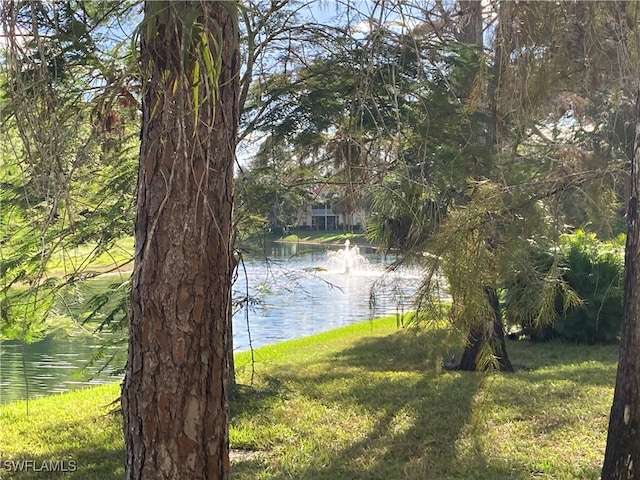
[[470, 23], [469, 359], [174, 395], [622, 454], [470, 32]]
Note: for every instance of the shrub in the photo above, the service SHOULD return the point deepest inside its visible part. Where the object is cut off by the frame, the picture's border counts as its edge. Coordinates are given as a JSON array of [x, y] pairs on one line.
[[584, 268], [595, 272]]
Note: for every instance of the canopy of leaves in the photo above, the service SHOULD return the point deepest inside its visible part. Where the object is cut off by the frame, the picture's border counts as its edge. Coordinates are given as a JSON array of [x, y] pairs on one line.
[[473, 137]]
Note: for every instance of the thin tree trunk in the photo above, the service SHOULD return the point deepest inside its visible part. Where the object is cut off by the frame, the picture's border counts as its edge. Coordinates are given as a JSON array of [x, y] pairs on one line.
[[494, 336], [622, 454], [498, 342], [475, 338], [470, 32], [174, 395], [471, 357]]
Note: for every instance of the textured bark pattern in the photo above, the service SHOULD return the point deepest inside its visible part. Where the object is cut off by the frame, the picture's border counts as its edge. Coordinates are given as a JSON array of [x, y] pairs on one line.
[[622, 455], [470, 22], [174, 395]]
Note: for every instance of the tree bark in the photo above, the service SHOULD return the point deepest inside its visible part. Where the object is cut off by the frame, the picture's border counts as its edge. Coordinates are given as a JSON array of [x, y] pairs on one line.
[[622, 454], [468, 362], [471, 359], [470, 24], [174, 396]]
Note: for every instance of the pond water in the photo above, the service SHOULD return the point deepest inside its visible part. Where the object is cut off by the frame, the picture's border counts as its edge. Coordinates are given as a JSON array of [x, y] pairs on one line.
[[306, 289], [300, 290]]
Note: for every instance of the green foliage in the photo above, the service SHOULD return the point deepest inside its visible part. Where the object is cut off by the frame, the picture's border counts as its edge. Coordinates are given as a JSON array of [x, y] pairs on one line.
[[484, 245], [68, 154], [101, 303], [273, 192], [595, 272], [537, 295], [435, 159], [588, 306], [24, 312]]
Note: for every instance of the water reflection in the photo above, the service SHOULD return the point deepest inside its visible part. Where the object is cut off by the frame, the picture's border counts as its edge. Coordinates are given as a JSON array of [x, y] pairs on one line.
[[53, 365], [287, 291]]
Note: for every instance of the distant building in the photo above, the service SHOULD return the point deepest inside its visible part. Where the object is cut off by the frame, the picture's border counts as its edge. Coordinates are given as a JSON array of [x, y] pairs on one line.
[[323, 216]]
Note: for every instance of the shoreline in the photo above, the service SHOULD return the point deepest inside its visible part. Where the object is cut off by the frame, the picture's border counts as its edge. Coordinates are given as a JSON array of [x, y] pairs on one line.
[[366, 399], [243, 357]]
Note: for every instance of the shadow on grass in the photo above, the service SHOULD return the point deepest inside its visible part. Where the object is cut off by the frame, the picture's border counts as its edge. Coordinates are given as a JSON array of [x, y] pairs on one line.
[[415, 427], [100, 457], [419, 414], [424, 414], [249, 400], [427, 424], [401, 351], [592, 365], [592, 375]]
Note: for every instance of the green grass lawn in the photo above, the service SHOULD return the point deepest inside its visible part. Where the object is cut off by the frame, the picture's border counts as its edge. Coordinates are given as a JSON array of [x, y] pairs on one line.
[[367, 401], [65, 262], [320, 236]]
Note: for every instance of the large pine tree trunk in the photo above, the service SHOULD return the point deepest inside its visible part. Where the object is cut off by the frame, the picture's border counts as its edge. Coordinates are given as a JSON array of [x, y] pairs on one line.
[[622, 455], [174, 396]]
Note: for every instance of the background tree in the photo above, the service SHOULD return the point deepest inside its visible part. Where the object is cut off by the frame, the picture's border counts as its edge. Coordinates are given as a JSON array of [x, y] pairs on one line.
[[622, 457], [174, 395], [622, 454], [582, 186]]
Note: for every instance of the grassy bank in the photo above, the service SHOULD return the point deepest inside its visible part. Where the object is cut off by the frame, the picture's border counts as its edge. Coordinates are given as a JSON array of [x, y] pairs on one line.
[[323, 237], [366, 401], [118, 259]]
